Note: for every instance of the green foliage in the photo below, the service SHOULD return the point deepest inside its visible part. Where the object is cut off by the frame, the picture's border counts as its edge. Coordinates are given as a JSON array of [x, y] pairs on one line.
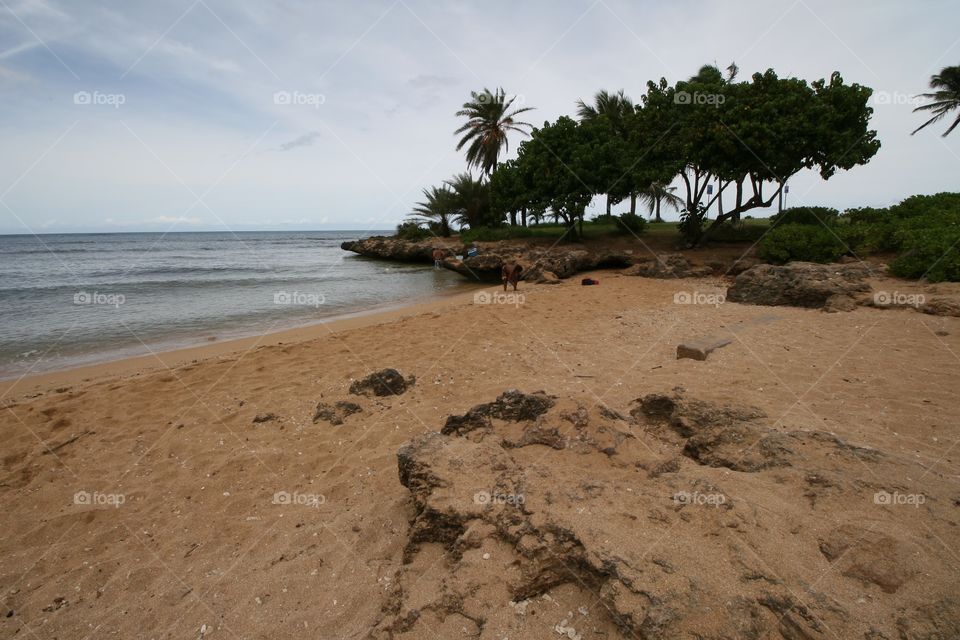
[[944, 98], [911, 229], [931, 253], [492, 234], [438, 208], [800, 242], [630, 224], [753, 133], [806, 215], [920, 205], [489, 120], [691, 223], [734, 233], [472, 199], [412, 231]]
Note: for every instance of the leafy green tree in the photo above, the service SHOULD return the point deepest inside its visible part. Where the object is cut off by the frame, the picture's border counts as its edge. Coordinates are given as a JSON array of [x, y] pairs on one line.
[[557, 160], [944, 99], [659, 194], [762, 131], [438, 208], [510, 191], [489, 120], [614, 109]]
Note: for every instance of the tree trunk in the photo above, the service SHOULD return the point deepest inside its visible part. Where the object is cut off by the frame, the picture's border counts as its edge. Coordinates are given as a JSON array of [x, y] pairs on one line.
[[523, 216], [633, 204], [608, 204], [658, 218], [513, 218]]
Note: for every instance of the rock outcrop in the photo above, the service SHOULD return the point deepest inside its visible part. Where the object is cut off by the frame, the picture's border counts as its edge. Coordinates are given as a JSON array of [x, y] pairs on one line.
[[527, 507], [798, 284], [386, 382], [390, 248]]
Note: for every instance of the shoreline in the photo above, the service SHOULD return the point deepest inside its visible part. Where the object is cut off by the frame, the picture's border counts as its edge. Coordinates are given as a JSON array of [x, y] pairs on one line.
[[129, 366]]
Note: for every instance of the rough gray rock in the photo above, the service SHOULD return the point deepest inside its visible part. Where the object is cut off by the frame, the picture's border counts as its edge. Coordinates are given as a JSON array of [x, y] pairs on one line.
[[798, 284], [390, 248], [668, 265], [509, 405], [700, 348]]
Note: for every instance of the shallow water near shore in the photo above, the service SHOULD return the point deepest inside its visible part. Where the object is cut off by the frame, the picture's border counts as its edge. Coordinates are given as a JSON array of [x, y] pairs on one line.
[[77, 299]]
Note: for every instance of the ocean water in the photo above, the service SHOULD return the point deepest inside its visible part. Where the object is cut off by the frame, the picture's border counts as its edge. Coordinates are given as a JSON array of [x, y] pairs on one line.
[[70, 300]]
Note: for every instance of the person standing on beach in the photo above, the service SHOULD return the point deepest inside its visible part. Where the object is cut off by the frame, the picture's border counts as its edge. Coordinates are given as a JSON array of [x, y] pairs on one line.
[[437, 258], [510, 273]]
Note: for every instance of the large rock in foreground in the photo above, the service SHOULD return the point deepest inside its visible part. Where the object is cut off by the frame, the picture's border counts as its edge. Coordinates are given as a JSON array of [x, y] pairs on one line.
[[798, 284], [540, 517]]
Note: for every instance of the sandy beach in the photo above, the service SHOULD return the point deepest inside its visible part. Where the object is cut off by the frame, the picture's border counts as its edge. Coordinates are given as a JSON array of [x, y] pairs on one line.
[[195, 496]]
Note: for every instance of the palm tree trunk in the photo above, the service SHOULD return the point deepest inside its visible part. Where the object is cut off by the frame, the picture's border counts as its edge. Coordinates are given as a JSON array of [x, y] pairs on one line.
[[633, 204], [608, 204], [658, 219], [523, 216]]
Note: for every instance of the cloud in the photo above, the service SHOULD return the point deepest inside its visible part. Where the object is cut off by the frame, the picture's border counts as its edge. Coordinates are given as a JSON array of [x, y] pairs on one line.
[[305, 140]]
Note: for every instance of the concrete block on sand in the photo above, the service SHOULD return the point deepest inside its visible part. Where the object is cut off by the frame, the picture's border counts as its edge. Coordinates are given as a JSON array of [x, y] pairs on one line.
[[700, 348]]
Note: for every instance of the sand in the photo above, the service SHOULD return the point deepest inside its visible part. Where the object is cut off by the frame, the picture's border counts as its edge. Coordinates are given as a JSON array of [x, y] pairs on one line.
[[142, 500]]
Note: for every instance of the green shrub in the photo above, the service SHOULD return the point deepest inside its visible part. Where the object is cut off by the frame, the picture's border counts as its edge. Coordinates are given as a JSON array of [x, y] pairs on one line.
[[733, 232], [630, 224], [806, 215], [488, 234], [867, 215], [691, 223], [865, 237], [603, 219], [932, 253], [412, 231], [802, 242], [916, 206]]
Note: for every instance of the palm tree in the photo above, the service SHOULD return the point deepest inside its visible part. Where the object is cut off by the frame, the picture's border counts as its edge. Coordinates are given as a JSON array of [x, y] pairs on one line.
[[489, 120], [945, 98], [438, 207], [471, 199], [616, 107], [658, 193]]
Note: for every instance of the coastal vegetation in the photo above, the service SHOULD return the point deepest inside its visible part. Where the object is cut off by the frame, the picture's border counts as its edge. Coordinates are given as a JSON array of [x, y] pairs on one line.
[[731, 144]]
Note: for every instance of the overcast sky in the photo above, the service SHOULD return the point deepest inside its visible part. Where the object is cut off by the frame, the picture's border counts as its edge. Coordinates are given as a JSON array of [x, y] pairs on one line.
[[241, 114]]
